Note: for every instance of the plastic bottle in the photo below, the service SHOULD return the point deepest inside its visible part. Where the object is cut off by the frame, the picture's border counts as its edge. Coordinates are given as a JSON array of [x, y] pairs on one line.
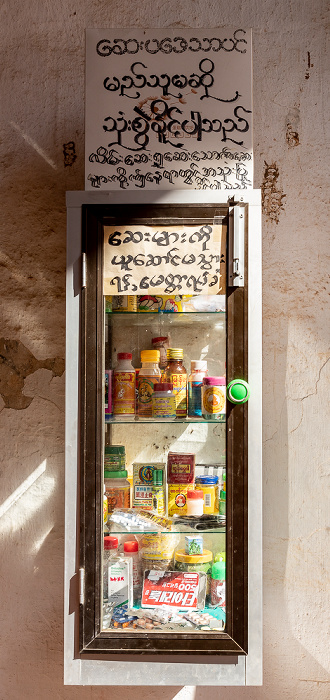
[[117, 488], [195, 502], [124, 386], [218, 584], [110, 551], [214, 398], [131, 549], [163, 402], [158, 491], [176, 374], [149, 375], [195, 382]]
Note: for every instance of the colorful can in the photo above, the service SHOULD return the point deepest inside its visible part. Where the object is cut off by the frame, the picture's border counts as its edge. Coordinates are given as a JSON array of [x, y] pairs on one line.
[[143, 483], [214, 398], [114, 458], [177, 499], [126, 304], [209, 486]]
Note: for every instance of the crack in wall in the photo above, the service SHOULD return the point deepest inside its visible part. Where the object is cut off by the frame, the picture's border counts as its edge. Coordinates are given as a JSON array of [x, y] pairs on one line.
[[271, 195], [17, 363]]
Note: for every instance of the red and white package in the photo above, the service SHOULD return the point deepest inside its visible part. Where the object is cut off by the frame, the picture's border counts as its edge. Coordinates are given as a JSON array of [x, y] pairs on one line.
[[181, 590]]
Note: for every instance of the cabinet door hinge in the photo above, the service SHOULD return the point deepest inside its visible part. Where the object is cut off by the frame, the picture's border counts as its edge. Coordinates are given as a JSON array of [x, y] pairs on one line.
[[81, 586], [236, 247], [83, 271]]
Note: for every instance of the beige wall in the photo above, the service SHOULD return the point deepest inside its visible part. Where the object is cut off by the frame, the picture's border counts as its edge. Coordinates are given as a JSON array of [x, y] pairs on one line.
[[42, 95]]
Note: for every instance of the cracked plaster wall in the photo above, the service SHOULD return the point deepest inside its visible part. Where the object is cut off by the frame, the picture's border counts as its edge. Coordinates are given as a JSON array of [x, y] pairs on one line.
[[41, 156]]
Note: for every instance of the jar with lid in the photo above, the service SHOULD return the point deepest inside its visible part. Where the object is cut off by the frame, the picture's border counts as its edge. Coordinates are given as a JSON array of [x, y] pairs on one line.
[[163, 402], [214, 398], [195, 502], [161, 343], [117, 489], [176, 374], [195, 382], [195, 563], [110, 551], [209, 487], [124, 386], [149, 375]]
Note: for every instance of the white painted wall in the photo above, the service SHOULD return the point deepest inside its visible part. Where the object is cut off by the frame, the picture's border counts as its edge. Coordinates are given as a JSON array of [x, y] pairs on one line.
[[42, 95]]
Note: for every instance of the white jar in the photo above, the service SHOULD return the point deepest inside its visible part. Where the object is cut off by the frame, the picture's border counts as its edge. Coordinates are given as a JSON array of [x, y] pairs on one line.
[[195, 502]]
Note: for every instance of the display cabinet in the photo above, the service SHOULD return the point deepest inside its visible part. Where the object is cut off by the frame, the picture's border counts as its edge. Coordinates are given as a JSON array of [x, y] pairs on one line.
[[163, 463]]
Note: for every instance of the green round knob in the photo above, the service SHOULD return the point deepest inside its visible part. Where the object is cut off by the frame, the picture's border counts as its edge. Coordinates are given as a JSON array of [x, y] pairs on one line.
[[238, 391]]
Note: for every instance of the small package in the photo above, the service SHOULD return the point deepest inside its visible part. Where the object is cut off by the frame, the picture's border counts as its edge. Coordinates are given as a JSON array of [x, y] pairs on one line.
[[143, 483], [120, 582], [180, 468], [177, 499], [181, 590], [193, 544]]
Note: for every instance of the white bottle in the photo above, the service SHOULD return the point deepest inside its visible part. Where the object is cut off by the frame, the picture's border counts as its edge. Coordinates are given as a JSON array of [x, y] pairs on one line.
[[124, 386], [110, 551], [131, 549]]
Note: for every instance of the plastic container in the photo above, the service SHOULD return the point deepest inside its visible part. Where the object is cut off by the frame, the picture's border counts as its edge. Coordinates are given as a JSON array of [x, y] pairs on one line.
[[218, 584], [195, 502], [209, 487], [149, 375], [110, 550], [214, 398], [176, 374], [117, 489], [195, 383], [193, 562], [131, 549], [163, 402], [114, 458], [124, 386]]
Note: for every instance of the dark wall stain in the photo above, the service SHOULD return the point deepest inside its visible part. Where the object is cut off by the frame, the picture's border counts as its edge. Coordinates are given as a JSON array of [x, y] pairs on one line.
[[292, 136], [271, 195], [69, 152], [309, 65], [16, 363]]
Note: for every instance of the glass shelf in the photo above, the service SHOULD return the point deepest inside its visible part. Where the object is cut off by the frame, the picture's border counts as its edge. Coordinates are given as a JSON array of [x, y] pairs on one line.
[[167, 318], [176, 421]]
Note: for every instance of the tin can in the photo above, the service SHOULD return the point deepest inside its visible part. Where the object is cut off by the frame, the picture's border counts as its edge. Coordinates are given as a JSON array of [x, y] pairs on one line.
[[214, 398]]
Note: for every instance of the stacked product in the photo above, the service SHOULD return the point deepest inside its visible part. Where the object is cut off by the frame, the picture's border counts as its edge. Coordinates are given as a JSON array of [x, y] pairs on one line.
[[116, 484]]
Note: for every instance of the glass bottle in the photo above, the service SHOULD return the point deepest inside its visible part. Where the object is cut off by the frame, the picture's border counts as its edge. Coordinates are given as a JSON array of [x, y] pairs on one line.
[[176, 374], [149, 375]]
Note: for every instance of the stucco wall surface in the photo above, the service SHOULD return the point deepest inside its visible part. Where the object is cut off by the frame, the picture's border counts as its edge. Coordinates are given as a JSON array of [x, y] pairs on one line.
[[42, 102]]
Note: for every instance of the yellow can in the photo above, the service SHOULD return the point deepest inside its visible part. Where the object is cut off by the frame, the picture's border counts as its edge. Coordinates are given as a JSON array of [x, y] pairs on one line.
[[209, 486]]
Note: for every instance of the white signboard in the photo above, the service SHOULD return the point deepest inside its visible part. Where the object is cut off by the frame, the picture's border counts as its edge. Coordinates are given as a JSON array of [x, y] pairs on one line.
[[164, 260], [168, 109]]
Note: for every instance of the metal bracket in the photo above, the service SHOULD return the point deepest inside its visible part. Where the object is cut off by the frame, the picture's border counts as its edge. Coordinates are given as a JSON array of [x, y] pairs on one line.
[[236, 247], [81, 586]]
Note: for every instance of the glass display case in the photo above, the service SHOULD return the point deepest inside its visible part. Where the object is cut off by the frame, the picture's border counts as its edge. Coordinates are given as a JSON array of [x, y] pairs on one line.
[[163, 385]]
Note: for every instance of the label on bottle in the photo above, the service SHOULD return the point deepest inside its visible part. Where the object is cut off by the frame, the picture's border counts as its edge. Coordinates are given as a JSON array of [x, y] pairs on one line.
[[179, 382], [213, 401], [158, 500], [118, 497], [145, 392], [195, 398], [163, 406], [124, 393]]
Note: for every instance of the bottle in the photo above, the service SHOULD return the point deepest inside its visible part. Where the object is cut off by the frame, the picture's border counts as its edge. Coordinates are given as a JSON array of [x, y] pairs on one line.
[[195, 502], [195, 382], [118, 489], [110, 551], [124, 386], [218, 584], [131, 549], [176, 374], [158, 491], [209, 487], [163, 402], [149, 375]]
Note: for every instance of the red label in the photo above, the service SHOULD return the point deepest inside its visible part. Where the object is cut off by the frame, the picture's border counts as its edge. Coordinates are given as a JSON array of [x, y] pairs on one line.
[[178, 590]]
